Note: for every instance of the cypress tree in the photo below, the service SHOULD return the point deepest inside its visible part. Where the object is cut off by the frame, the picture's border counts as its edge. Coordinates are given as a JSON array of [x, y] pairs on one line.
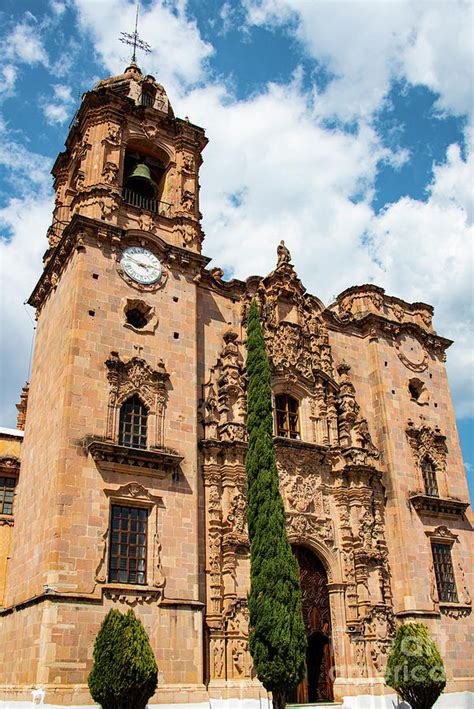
[[277, 636], [124, 673], [415, 669]]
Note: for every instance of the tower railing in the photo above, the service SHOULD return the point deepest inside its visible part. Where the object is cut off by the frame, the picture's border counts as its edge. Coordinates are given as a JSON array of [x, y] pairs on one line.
[[151, 205]]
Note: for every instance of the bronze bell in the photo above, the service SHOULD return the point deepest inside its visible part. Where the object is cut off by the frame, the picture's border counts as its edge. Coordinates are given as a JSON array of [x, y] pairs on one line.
[[141, 181]]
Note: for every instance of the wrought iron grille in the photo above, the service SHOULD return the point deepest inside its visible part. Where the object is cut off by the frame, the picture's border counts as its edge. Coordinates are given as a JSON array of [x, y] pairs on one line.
[[151, 205], [7, 487], [444, 573], [128, 545], [287, 416], [133, 423], [429, 478]]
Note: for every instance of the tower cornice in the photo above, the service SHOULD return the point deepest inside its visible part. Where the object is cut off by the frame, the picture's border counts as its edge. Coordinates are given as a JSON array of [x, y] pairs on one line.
[[82, 230]]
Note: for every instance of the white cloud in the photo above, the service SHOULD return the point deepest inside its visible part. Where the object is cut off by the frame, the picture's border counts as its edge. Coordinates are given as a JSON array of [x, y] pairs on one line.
[[24, 42], [368, 44], [23, 224], [178, 55], [8, 77], [58, 110], [57, 7], [26, 169], [425, 250]]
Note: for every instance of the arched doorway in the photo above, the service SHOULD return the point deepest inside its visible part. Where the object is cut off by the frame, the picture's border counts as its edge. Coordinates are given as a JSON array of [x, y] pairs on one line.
[[317, 683]]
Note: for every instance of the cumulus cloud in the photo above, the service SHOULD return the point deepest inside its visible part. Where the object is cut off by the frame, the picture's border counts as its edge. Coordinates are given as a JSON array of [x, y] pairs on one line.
[[179, 53], [24, 43], [365, 45], [23, 224], [58, 109], [425, 252]]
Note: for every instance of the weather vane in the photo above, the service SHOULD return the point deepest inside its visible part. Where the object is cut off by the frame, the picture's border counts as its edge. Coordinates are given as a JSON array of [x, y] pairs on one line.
[[133, 38]]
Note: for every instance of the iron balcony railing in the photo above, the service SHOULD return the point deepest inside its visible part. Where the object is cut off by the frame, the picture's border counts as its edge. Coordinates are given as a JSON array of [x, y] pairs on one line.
[[151, 205]]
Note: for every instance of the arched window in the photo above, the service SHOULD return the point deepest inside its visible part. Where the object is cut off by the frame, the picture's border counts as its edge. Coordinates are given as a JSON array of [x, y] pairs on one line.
[[429, 477], [132, 423], [287, 418]]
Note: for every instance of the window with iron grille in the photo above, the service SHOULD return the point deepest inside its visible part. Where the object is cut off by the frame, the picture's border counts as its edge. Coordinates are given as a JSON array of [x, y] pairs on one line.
[[132, 423], [444, 572], [287, 416], [429, 478], [7, 487], [128, 545]]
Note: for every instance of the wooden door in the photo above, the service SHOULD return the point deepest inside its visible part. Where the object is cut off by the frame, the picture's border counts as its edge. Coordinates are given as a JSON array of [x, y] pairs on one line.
[[317, 684]]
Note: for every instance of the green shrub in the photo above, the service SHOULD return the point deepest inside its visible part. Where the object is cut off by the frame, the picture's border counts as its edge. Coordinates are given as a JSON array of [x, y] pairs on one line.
[[415, 669], [124, 673]]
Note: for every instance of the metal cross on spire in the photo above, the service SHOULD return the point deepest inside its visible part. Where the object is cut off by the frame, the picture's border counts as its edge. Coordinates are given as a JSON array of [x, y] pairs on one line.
[[133, 38]]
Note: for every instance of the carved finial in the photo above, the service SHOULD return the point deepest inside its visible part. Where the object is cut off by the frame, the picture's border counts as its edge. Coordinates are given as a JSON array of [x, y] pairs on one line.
[[283, 253], [343, 368], [22, 407]]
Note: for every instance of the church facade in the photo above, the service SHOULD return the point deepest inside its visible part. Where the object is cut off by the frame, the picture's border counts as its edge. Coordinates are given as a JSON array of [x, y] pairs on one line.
[[130, 487]]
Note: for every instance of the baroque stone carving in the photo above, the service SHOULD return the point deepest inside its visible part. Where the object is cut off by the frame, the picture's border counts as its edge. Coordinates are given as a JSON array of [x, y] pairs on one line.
[[428, 443], [224, 402], [136, 377]]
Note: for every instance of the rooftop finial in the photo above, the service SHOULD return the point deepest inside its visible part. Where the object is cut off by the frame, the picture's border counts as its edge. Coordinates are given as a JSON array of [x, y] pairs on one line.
[[134, 40]]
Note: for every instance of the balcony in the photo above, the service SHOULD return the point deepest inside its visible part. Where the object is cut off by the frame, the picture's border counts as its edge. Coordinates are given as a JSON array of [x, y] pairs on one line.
[[151, 205], [433, 504], [110, 457]]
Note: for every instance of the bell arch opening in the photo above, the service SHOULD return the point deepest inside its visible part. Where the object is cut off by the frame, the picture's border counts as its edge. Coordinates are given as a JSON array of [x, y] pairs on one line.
[[317, 683], [144, 176]]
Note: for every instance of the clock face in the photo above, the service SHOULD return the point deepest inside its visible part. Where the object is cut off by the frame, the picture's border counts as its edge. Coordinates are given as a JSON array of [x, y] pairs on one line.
[[141, 265]]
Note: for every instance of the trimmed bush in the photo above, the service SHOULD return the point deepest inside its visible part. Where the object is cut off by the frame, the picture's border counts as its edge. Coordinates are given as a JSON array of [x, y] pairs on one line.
[[277, 634], [124, 673], [415, 669]]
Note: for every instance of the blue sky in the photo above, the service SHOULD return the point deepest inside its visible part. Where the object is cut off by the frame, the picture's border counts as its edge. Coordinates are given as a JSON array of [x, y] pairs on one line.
[[343, 127]]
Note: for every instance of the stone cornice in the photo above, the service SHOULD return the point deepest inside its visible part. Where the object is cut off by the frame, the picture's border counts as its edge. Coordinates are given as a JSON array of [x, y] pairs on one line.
[[111, 457], [373, 325], [82, 229], [438, 506]]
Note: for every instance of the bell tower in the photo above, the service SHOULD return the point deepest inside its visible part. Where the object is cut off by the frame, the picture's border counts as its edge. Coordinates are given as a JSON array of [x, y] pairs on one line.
[[107, 507], [130, 163]]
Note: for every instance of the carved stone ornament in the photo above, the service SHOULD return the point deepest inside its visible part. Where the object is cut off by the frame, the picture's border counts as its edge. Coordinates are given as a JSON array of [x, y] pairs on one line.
[[224, 398], [136, 376], [9, 463], [132, 597], [427, 443], [295, 333], [411, 352]]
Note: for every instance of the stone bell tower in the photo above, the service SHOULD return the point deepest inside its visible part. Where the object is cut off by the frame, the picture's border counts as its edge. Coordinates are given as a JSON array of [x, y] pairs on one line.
[[107, 501]]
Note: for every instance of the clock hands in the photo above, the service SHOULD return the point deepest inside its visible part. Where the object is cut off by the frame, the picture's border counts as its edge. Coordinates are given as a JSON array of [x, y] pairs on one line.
[[139, 263]]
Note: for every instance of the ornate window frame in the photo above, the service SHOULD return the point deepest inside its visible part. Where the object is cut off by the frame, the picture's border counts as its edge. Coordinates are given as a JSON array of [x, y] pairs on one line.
[[137, 377], [463, 606], [426, 442], [297, 429], [134, 495], [287, 385]]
